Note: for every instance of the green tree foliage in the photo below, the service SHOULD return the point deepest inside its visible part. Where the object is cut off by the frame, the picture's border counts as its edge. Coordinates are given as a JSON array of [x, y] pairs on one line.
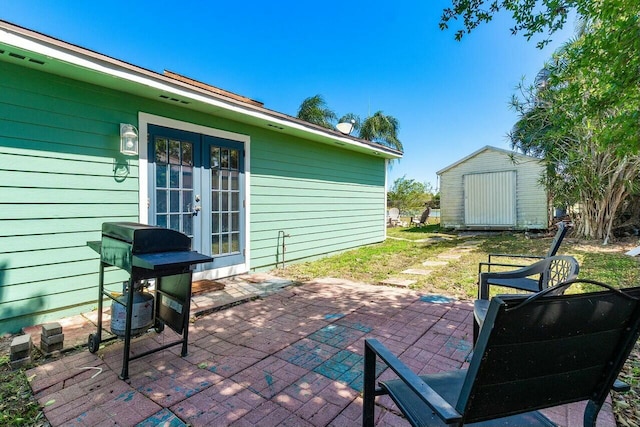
[[582, 117], [408, 194], [530, 17], [314, 110], [382, 129], [379, 128]]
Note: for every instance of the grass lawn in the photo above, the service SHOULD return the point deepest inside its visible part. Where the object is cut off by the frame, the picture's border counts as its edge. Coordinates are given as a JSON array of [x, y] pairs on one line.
[[408, 248]]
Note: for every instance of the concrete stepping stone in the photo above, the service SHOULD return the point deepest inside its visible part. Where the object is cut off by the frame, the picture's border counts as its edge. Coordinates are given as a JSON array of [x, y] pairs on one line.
[[474, 242], [433, 239], [417, 271], [435, 263], [449, 255], [401, 283]]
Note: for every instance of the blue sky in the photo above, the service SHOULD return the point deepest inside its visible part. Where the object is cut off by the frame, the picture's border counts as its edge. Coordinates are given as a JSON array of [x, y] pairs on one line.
[[451, 98]]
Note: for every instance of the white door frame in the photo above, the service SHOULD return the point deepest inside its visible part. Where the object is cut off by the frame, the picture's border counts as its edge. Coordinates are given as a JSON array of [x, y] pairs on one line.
[[144, 120]]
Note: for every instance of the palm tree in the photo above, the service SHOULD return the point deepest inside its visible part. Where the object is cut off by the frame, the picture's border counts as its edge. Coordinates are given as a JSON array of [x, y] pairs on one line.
[[382, 129], [314, 110], [351, 118]]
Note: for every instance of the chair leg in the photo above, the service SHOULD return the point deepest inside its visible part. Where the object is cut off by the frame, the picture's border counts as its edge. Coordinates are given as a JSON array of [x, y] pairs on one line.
[[368, 406], [591, 414], [476, 331]]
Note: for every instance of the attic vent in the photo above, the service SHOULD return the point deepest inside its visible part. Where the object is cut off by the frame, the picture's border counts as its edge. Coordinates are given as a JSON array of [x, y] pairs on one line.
[[174, 99], [274, 126], [22, 57]]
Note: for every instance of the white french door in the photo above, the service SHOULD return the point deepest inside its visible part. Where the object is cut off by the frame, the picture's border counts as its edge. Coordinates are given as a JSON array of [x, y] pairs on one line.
[[197, 187]]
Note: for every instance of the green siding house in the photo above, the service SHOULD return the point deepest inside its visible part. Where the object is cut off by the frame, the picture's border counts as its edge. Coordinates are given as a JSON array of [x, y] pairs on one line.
[[237, 177]]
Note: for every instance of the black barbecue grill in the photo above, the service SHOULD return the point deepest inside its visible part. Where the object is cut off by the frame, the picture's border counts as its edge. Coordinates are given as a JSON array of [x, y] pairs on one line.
[[148, 252]]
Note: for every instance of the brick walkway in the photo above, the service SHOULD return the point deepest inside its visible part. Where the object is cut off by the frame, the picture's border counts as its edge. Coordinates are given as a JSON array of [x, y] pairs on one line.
[[289, 358]]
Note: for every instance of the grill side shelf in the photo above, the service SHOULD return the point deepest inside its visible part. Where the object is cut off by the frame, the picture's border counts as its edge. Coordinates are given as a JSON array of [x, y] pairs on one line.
[[169, 260]]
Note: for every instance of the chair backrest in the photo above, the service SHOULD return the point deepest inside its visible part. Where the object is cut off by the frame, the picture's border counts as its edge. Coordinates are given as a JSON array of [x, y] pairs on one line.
[[559, 268], [557, 239], [394, 213], [548, 350], [425, 215]]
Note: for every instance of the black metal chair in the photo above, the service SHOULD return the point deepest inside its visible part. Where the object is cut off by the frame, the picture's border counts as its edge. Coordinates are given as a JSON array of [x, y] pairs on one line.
[[534, 278], [533, 353], [553, 249]]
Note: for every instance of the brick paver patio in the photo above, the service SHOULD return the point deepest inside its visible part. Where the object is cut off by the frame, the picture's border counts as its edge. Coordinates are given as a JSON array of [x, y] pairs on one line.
[[291, 358]]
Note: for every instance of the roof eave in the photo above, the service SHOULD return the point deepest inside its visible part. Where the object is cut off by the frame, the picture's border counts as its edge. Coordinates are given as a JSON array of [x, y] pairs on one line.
[[96, 63]]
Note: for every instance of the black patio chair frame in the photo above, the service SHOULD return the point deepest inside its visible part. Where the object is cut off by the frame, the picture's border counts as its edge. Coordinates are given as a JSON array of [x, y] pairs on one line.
[[533, 353], [563, 229], [550, 271]]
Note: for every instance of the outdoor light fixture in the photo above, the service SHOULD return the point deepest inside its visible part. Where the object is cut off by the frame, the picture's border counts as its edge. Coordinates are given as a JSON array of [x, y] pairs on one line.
[[128, 140], [346, 127]]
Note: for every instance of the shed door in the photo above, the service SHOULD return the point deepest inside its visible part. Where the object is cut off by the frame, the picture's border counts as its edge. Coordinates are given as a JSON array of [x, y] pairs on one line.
[[490, 199]]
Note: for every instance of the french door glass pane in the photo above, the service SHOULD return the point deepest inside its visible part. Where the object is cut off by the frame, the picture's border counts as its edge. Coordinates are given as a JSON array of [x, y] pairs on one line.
[[215, 245], [187, 201], [161, 201], [174, 222], [174, 201], [235, 242], [215, 223], [174, 176], [187, 226], [174, 152], [161, 151], [174, 184], [225, 199], [187, 177], [235, 181], [161, 175]]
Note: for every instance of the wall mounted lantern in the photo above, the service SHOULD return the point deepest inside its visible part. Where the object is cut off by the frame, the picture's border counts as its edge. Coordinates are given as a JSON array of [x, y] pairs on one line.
[[128, 140]]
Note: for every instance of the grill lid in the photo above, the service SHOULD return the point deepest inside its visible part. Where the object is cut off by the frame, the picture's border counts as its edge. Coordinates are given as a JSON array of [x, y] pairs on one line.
[[146, 238]]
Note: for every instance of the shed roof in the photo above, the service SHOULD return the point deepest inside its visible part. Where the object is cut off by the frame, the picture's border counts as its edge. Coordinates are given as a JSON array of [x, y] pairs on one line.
[[38, 51], [482, 150]]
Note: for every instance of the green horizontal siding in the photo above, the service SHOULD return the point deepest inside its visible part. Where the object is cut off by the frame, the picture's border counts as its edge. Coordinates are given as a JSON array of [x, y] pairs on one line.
[[37, 308], [61, 177], [326, 199], [55, 280], [67, 196], [53, 227], [58, 184], [48, 256], [34, 242]]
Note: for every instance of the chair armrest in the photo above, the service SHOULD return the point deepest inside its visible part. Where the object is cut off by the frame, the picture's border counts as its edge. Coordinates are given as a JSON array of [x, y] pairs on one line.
[[484, 277], [492, 264], [437, 403], [515, 256]]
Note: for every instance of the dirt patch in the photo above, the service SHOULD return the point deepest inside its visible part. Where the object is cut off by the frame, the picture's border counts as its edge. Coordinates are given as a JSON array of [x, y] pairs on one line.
[[620, 246]]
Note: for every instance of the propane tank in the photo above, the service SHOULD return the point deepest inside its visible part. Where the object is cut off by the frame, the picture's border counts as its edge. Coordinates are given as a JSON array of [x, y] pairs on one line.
[[142, 317]]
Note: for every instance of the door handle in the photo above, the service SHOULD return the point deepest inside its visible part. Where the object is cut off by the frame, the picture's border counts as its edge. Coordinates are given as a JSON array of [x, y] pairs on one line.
[[196, 209]]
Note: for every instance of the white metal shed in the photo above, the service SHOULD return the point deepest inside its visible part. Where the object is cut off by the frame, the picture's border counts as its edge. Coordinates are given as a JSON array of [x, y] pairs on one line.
[[493, 188]]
